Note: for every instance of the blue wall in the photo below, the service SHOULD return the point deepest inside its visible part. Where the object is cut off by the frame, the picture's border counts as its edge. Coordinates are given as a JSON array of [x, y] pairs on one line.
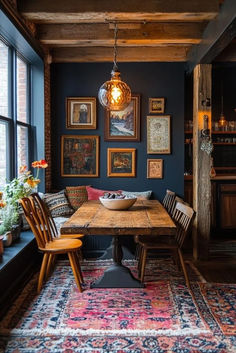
[[148, 80]]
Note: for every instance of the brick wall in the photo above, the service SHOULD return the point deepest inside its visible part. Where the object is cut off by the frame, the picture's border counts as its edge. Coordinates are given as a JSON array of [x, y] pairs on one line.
[[47, 121]]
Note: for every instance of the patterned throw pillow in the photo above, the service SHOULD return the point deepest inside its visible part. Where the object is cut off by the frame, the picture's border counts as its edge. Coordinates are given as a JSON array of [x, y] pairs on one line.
[[94, 194], [141, 195], [76, 195], [58, 204]]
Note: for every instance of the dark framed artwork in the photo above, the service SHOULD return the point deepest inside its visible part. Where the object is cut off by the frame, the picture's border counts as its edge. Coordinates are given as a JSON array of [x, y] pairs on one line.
[[157, 105], [81, 113], [121, 162], [79, 156], [158, 134], [124, 125], [155, 168]]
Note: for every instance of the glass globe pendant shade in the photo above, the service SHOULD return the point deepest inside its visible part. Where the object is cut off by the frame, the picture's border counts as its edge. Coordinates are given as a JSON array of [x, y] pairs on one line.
[[114, 94], [222, 120]]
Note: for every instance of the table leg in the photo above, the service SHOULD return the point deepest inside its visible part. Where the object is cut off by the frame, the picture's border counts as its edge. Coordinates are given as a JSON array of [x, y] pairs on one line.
[[127, 254], [117, 275]]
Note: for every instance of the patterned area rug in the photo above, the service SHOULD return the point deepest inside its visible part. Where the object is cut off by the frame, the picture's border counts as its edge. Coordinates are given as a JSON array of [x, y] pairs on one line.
[[162, 317]]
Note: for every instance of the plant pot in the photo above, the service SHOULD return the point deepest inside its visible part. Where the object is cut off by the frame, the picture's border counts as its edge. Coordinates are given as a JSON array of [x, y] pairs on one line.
[[1, 246], [7, 239], [15, 231]]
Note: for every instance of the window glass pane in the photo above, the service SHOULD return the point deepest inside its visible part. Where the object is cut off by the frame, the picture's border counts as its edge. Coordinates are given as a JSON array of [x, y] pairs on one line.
[[22, 146], [4, 168], [3, 79], [21, 90]]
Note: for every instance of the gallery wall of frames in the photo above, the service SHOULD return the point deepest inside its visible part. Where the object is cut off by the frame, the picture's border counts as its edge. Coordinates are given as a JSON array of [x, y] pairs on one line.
[[136, 149]]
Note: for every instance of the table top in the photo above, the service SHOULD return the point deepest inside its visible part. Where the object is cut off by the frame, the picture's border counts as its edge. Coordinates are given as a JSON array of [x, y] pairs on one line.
[[145, 217]]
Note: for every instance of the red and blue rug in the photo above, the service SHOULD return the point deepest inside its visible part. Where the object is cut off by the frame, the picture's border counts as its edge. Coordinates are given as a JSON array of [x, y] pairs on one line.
[[161, 318]]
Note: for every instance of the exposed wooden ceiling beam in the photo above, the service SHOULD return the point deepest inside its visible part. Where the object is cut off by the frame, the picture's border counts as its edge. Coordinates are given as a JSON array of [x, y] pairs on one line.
[[77, 11], [217, 35], [99, 34], [131, 54]]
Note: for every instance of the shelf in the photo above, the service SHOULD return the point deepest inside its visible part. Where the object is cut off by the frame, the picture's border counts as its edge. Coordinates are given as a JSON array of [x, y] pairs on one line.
[[215, 132], [217, 143], [224, 143], [223, 132]]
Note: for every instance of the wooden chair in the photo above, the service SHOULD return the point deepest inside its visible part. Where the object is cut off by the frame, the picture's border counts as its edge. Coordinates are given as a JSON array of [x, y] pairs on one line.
[[168, 200], [49, 219], [48, 244], [183, 216]]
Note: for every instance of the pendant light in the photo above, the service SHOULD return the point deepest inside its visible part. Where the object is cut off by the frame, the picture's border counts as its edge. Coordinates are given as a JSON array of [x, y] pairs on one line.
[[114, 94]]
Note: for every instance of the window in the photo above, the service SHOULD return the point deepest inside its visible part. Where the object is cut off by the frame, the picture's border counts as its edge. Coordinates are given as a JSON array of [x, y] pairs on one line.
[[14, 112]]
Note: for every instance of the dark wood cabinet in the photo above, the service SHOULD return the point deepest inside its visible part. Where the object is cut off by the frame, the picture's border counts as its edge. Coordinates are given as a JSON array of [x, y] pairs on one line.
[[223, 203], [227, 204]]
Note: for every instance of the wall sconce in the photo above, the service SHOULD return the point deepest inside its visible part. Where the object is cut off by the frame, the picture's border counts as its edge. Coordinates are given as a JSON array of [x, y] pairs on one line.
[[206, 144]]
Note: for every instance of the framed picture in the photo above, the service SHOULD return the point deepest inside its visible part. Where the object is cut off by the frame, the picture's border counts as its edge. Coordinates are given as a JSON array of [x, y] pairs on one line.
[[124, 125], [157, 105], [158, 134], [79, 156], [155, 168], [81, 113], [121, 162]]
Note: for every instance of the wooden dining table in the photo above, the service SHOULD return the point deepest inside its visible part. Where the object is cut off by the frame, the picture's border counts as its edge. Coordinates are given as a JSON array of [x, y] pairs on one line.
[[145, 217]]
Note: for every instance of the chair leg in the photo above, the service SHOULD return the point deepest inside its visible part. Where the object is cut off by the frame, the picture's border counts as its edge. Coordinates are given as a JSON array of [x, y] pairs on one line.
[[49, 264], [77, 258], [137, 251], [184, 269], [144, 258], [42, 272], [140, 261], [176, 258], [74, 269]]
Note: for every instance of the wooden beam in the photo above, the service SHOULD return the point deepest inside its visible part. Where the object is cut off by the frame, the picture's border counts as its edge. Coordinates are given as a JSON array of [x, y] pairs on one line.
[[104, 54], [217, 35], [201, 162], [100, 35], [21, 26], [229, 54], [77, 11]]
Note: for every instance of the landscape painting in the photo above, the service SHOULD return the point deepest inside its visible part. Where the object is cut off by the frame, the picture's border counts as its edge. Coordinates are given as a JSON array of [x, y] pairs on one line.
[[121, 162], [79, 156], [124, 124]]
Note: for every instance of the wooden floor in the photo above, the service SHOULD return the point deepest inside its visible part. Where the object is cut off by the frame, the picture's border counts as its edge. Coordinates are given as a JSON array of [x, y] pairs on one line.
[[221, 266]]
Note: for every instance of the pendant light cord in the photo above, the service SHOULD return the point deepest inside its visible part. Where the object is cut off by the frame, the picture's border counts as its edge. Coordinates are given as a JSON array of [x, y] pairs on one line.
[[115, 68]]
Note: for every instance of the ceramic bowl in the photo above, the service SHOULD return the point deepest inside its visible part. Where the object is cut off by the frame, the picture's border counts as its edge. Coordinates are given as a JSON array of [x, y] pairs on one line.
[[118, 204]]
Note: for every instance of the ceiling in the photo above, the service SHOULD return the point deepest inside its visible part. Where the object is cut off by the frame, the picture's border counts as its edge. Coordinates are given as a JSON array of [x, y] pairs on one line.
[[148, 30]]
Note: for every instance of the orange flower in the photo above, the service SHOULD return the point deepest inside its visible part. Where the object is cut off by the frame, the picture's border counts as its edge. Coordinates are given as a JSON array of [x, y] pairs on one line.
[[35, 164], [2, 204], [43, 163], [23, 169], [32, 182], [40, 164]]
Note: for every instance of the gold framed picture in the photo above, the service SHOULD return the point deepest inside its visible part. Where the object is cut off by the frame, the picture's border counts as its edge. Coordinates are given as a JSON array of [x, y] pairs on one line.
[[156, 105], [158, 134], [81, 113], [155, 168], [124, 125], [121, 162], [79, 156]]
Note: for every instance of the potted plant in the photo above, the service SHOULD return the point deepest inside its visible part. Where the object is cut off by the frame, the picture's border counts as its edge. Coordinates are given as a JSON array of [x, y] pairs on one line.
[[10, 223], [10, 209]]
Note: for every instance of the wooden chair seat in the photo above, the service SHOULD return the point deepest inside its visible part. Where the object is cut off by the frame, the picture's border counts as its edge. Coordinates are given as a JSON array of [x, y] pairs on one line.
[[48, 241], [62, 245]]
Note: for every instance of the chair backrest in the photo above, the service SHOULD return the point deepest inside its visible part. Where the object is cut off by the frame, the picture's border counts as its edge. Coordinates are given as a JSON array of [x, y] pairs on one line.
[[37, 221], [168, 200], [177, 199], [47, 214], [183, 216]]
